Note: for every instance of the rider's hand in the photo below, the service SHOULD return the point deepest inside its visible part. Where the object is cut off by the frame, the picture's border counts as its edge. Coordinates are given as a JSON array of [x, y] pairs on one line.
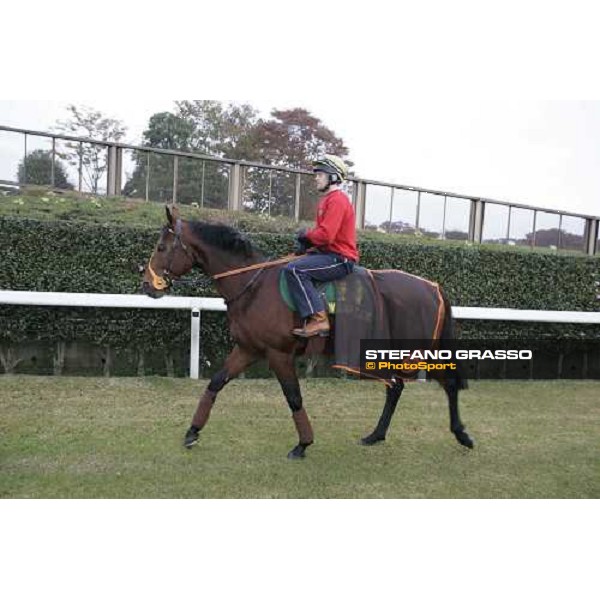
[[301, 243]]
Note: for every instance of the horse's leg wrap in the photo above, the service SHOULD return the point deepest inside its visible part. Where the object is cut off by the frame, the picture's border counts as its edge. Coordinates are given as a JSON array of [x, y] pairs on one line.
[[305, 434], [391, 401], [217, 383], [303, 427], [203, 411], [283, 365]]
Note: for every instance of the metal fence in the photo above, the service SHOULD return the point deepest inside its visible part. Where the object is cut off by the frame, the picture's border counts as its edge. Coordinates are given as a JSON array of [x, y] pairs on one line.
[[116, 169]]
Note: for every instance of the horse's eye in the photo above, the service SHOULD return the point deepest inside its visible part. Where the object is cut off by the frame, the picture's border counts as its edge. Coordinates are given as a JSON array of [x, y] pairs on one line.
[[161, 248]]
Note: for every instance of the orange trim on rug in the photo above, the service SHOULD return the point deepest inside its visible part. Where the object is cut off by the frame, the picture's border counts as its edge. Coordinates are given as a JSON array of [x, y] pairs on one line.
[[404, 273], [441, 314], [359, 372], [386, 382]]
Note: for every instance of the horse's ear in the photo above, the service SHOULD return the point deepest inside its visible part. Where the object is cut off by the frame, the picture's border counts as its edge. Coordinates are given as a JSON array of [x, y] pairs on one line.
[[172, 214]]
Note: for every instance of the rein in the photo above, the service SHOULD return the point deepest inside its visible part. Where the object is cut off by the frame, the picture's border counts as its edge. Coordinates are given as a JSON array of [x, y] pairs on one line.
[[261, 266], [258, 267]]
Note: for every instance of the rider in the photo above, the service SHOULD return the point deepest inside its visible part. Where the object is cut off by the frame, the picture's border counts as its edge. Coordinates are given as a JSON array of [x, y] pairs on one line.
[[330, 247]]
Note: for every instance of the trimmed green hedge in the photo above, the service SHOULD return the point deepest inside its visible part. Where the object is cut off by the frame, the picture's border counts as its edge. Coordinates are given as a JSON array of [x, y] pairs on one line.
[[80, 257]]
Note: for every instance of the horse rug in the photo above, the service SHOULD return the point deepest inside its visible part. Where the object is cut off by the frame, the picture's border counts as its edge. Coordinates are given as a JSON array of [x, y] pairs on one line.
[[377, 304]]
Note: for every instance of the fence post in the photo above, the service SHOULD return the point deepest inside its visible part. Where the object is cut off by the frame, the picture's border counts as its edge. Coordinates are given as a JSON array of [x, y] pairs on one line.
[[591, 235], [360, 196], [25, 159], [147, 176], [119, 175], [444, 217], [235, 187], [113, 172], [297, 197], [52, 172], [195, 344], [476, 221], [175, 173], [80, 169]]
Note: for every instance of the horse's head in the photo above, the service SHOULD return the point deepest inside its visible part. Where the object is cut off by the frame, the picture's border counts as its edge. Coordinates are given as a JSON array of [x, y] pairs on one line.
[[172, 257]]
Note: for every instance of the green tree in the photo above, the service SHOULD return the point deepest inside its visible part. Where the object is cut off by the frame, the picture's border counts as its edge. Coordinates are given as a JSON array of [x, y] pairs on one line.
[[222, 131], [170, 132], [90, 159], [294, 138], [36, 169]]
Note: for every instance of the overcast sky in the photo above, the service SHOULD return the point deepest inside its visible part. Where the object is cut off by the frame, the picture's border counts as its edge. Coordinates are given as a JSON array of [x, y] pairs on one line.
[[533, 152]]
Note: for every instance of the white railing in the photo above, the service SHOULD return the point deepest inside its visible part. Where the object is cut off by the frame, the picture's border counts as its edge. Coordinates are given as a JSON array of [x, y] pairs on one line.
[[197, 305]]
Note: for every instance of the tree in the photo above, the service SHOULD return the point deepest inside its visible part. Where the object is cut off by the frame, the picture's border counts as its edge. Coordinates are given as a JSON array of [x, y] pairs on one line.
[[294, 138], [170, 132], [223, 131], [90, 159], [36, 169]]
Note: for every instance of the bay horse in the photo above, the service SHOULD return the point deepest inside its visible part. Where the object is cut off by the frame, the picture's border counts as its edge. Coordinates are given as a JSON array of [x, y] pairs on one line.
[[260, 322]]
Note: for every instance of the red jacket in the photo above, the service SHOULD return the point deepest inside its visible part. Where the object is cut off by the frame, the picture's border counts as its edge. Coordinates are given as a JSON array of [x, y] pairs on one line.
[[335, 230]]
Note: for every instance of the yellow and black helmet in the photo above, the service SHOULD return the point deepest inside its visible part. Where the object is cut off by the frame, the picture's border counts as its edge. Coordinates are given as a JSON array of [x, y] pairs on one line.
[[333, 166]]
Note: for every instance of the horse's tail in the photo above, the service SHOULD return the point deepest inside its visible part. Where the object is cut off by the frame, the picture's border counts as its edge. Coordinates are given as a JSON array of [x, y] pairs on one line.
[[447, 336]]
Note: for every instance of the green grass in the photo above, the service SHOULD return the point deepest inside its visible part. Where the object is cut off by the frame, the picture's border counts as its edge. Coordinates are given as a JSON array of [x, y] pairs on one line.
[[107, 438]]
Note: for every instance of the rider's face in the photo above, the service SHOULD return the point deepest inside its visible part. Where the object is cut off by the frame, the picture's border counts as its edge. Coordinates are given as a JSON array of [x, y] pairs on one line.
[[321, 180]]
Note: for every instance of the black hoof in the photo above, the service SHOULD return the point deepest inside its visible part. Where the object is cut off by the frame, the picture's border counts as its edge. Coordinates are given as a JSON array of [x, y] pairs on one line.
[[372, 439], [298, 452], [191, 438], [464, 439]]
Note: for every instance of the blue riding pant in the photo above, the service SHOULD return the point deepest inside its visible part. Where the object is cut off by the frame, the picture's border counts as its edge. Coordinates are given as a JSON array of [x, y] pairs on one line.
[[320, 267]]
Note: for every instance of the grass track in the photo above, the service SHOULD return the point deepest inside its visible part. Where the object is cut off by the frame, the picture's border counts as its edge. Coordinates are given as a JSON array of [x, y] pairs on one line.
[[121, 438]]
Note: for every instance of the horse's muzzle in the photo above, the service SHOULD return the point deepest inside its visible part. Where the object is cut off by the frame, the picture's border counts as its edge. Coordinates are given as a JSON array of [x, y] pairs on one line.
[[150, 291]]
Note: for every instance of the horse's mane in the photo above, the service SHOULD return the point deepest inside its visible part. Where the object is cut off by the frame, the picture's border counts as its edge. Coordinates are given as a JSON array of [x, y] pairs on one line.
[[224, 237]]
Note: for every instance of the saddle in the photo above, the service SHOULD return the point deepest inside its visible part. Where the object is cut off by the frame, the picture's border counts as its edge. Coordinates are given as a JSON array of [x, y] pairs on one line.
[[329, 290]]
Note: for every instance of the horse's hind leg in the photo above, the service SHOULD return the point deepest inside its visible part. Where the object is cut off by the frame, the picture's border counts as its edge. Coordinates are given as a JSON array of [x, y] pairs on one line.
[[391, 401], [238, 360], [456, 427]]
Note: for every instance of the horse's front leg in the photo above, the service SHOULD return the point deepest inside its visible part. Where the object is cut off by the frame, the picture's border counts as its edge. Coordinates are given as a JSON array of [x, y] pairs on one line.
[[238, 360], [285, 370]]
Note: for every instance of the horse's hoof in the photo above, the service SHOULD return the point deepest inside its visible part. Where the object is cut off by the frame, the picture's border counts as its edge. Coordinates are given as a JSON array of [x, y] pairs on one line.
[[191, 438], [371, 440], [464, 439], [298, 452]]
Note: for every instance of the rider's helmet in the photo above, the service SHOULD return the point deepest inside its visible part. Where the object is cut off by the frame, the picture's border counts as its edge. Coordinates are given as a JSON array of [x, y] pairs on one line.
[[332, 165]]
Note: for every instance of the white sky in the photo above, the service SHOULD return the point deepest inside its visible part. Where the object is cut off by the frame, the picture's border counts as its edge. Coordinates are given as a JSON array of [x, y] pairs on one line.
[[544, 153]]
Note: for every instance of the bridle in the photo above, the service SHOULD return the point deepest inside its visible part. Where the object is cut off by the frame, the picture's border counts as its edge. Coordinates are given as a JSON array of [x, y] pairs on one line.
[[165, 282]]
